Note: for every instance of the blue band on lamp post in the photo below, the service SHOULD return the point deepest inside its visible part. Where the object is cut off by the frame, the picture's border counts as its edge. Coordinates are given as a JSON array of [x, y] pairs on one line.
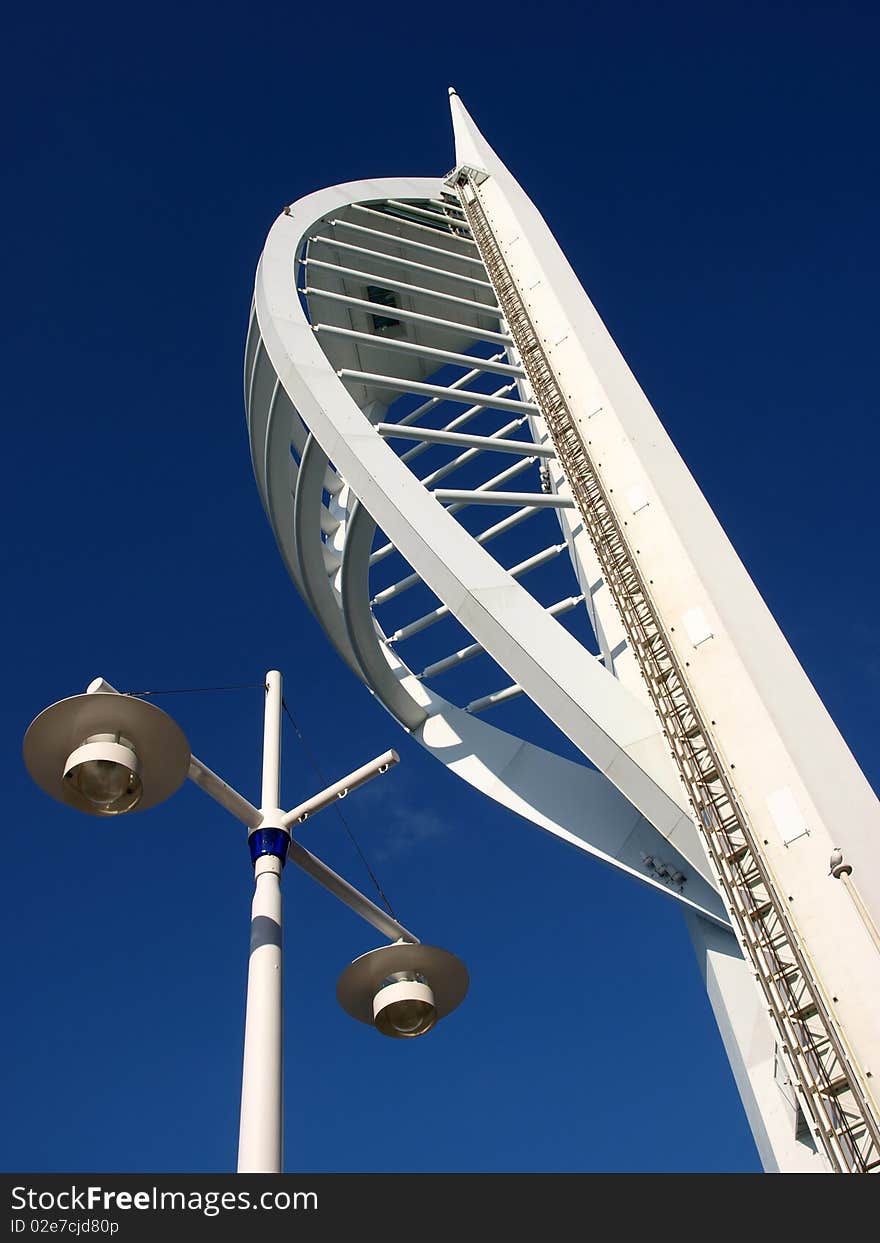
[[269, 842]]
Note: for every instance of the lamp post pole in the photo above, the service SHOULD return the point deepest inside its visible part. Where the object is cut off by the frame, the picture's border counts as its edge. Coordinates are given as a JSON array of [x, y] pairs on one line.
[[260, 1128]]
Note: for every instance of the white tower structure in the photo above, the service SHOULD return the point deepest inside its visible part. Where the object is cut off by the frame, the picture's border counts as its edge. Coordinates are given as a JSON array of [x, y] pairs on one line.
[[463, 476]]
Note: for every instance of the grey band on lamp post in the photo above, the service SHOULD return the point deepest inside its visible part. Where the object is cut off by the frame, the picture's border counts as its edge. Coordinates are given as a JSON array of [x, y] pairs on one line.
[[106, 754]]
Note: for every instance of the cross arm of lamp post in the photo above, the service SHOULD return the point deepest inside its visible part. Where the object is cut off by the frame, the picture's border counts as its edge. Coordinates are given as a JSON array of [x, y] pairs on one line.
[[238, 806]]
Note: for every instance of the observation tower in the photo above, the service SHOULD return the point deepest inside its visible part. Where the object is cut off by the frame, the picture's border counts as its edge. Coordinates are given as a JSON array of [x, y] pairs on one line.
[[475, 498]]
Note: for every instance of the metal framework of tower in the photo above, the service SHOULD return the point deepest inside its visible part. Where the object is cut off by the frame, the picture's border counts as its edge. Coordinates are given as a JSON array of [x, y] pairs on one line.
[[407, 317]]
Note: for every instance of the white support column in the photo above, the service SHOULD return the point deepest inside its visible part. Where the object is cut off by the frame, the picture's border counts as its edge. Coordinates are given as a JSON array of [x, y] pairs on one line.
[[260, 1130]]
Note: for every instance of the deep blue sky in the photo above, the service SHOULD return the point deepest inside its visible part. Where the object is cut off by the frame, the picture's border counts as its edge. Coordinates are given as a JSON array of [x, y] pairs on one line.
[[712, 173]]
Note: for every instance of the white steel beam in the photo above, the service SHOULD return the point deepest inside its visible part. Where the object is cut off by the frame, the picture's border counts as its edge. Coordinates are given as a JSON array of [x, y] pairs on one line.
[[412, 579], [451, 206], [426, 406], [474, 649], [517, 571], [409, 242], [375, 308], [494, 444], [468, 456], [465, 396], [496, 481], [424, 351], [497, 697], [541, 499], [412, 224], [499, 528], [454, 424], [389, 282], [400, 260], [425, 214]]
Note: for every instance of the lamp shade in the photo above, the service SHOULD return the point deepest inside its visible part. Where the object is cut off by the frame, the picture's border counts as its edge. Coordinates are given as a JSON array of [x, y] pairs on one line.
[[442, 976], [151, 747]]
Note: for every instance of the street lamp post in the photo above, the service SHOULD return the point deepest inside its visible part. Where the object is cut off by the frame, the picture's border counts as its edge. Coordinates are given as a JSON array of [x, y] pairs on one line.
[[105, 753], [260, 1128]]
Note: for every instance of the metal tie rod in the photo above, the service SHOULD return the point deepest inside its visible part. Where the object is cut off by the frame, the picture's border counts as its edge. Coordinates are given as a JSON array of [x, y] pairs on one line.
[[408, 241], [400, 260], [426, 351], [517, 571], [449, 207], [428, 215], [412, 224], [474, 649], [495, 482], [454, 424], [543, 500], [494, 444], [497, 697], [388, 282], [333, 482], [469, 454], [459, 383], [520, 515], [465, 396], [375, 308], [441, 473]]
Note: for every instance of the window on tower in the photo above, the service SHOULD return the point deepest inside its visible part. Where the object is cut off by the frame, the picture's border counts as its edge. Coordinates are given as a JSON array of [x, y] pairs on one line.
[[383, 297]]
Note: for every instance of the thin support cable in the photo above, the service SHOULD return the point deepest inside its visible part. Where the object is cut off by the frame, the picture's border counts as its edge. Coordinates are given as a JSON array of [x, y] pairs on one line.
[[192, 690], [316, 768]]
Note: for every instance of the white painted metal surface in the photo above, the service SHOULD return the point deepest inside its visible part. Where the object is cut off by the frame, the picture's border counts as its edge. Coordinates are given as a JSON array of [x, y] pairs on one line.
[[326, 418], [260, 1129], [272, 746], [260, 1124], [340, 789]]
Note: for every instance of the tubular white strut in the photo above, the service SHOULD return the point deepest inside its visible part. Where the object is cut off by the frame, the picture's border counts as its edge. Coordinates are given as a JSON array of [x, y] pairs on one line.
[[830, 1091]]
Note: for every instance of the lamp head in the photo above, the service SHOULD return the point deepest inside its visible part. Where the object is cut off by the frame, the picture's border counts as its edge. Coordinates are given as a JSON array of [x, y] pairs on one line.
[[404, 989], [404, 1006], [105, 773], [106, 754]]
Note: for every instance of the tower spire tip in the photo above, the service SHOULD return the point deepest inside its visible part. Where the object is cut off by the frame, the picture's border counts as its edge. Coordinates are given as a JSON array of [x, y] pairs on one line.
[[453, 91]]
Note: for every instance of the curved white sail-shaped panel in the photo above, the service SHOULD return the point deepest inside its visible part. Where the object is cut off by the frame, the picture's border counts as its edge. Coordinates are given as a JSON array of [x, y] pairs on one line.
[[378, 376]]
